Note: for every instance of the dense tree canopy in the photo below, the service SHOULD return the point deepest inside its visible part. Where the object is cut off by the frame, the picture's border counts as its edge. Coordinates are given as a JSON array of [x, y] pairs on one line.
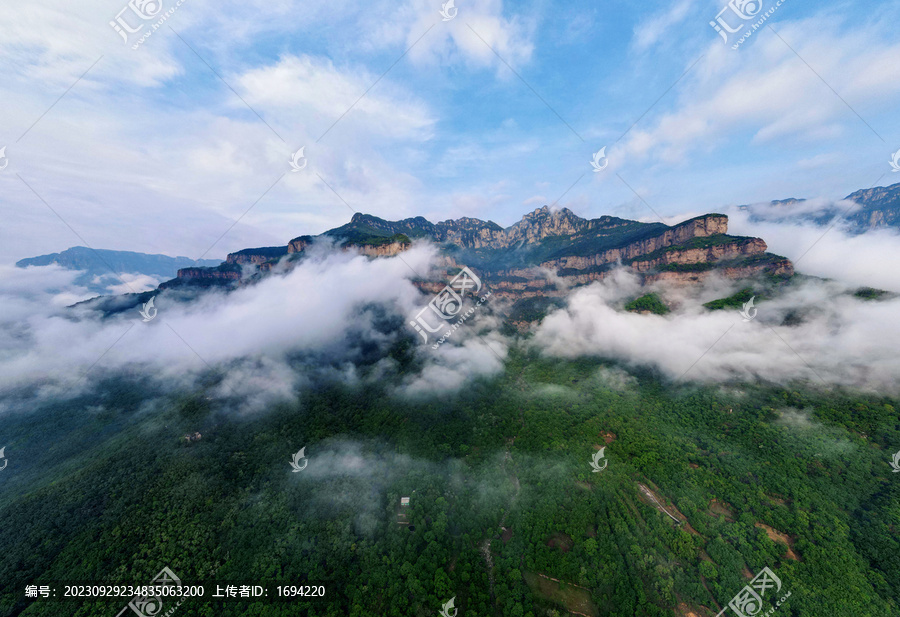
[[506, 513]]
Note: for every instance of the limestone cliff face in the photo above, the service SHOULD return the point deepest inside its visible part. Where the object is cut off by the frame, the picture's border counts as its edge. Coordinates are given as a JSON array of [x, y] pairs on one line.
[[257, 256], [245, 259], [209, 273], [298, 245], [750, 246], [381, 250], [703, 226], [780, 267], [696, 228], [685, 253], [369, 249]]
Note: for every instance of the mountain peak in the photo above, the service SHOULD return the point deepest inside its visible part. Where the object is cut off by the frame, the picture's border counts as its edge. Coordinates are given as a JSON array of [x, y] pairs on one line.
[[548, 212]]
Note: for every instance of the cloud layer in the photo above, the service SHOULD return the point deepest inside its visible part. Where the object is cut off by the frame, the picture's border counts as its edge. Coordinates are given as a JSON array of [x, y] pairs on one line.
[[832, 250], [840, 340], [327, 314]]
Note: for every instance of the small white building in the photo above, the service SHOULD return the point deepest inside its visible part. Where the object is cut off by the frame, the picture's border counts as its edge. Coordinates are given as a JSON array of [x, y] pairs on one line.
[[404, 502]]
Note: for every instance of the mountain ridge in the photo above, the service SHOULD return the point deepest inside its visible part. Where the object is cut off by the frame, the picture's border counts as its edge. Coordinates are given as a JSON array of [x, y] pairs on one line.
[[100, 264], [543, 254], [879, 207]]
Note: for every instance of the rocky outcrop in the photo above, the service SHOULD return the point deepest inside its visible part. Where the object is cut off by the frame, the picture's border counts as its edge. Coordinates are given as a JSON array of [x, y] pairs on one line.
[[298, 245], [222, 275], [257, 256], [781, 267], [376, 247], [209, 273], [729, 250], [880, 207], [470, 233], [543, 223], [701, 227], [380, 250]]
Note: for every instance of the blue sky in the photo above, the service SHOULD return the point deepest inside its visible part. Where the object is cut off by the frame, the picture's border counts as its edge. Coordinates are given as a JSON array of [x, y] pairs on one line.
[[151, 151]]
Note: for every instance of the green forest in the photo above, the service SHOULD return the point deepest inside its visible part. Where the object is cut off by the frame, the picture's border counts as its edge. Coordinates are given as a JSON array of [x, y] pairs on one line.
[[506, 514]]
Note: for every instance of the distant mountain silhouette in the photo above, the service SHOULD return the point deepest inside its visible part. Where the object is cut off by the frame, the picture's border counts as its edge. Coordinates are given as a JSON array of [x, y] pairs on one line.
[[879, 207], [99, 265]]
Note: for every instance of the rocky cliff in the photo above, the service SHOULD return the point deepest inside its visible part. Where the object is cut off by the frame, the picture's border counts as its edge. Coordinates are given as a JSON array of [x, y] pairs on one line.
[[388, 249], [223, 274], [298, 245], [880, 207], [257, 256]]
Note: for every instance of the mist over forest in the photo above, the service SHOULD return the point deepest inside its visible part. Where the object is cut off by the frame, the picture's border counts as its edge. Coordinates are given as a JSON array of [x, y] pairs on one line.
[[454, 307]]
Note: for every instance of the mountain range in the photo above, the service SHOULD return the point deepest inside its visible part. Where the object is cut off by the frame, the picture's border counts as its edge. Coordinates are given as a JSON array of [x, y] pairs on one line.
[[542, 256], [879, 207], [98, 265], [533, 261]]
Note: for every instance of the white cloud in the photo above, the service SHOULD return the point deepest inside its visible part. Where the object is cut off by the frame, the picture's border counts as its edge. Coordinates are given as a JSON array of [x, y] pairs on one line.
[[132, 163], [537, 200], [455, 366], [315, 88], [129, 283], [841, 340], [819, 160], [649, 31], [463, 39], [870, 259], [325, 313], [768, 91], [141, 173]]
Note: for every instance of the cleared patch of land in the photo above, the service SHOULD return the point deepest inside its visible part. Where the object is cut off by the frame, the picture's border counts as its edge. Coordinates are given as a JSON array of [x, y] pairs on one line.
[[777, 536], [573, 598]]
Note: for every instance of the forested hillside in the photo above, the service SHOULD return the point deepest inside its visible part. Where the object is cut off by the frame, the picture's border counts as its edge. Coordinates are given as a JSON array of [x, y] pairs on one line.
[[506, 514]]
